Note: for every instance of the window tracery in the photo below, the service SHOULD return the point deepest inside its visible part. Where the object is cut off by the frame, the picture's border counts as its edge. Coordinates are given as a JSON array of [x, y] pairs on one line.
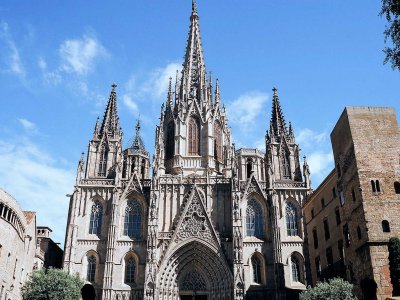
[[254, 219], [91, 269], [194, 137], [133, 220], [130, 270], [295, 269], [291, 220], [193, 281], [256, 264], [103, 162], [96, 215]]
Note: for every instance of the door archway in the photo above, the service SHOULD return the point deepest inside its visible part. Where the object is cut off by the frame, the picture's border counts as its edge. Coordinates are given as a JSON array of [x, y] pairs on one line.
[[88, 292]]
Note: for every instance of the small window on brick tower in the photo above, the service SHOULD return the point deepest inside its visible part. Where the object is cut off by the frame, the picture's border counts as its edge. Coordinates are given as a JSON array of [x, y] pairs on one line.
[[378, 187], [373, 186], [385, 226], [397, 187], [359, 232]]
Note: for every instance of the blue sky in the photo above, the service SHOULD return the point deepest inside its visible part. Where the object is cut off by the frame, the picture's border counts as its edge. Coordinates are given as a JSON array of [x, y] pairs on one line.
[[58, 61]]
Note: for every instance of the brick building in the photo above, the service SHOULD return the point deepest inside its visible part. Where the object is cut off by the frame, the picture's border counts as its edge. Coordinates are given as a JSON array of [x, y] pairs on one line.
[[353, 213]]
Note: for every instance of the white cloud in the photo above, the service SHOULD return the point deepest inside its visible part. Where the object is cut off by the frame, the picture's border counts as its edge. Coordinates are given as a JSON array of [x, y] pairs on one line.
[[321, 163], [130, 104], [37, 181], [245, 109], [13, 59], [79, 55], [152, 85], [29, 126], [308, 138]]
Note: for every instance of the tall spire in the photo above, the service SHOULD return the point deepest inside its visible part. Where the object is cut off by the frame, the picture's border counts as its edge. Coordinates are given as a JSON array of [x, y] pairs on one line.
[[110, 124], [217, 94], [169, 98], [193, 65], [277, 120]]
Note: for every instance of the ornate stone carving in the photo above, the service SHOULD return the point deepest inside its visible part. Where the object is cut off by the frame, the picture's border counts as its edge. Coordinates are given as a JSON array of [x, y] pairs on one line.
[[194, 223]]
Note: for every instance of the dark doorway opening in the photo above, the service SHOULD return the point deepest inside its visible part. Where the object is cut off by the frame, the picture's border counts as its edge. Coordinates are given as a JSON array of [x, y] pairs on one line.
[[88, 292]]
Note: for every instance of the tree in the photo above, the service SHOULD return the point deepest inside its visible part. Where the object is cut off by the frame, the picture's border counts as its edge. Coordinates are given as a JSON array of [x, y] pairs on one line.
[[394, 264], [391, 10], [52, 284], [334, 289]]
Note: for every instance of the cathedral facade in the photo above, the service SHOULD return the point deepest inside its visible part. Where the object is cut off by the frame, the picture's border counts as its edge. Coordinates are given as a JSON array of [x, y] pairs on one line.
[[210, 222]]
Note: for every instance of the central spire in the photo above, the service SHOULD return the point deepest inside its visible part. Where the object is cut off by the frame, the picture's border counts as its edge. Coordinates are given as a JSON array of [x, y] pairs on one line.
[[278, 125], [193, 65]]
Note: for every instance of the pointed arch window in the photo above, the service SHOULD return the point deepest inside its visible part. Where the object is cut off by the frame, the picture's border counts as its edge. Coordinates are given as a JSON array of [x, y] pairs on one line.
[[295, 269], [170, 141], [254, 219], [285, 165], [256, 264], [218, 154], [291, 220], [193, 281], [194, 137], [103, 162], [133, 220], [91, 268], [130, 269], [96, 215]]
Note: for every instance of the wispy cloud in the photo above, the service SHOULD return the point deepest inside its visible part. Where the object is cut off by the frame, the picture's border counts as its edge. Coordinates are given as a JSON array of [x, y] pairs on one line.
[[130, 104], [79, 55], [12, 57], [37, 180], [152, 85], [29, 126], [246, 108], [316, 146]]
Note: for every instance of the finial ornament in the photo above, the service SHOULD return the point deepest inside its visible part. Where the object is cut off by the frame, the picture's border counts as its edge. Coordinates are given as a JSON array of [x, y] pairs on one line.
[[114, 85], [194, 7]]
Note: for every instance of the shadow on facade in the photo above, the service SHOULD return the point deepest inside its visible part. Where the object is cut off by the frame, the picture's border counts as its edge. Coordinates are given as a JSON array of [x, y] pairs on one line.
[[368, 288], [88, 292]]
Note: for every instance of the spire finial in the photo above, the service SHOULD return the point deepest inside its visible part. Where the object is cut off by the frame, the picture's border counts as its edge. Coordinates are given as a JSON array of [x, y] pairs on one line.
[[137, 127], [194, 7], [275, 90]]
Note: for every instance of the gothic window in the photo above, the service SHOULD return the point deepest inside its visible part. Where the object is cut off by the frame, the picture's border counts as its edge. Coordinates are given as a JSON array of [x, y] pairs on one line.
[[397, 187], [285, 165], [254, 219], [143, 168], [91, 268], [133, 220], [249, 167], [194, 137], [170, 141], [193, 281], [291, 220], [385, 226], [95, 218], [256, 264], [218, 142], [103, 163], [130, 268], [295, 269]]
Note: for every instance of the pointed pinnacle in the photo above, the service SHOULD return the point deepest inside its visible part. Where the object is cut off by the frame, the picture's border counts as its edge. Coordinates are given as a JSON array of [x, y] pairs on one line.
[[194, 7], [170, 92]]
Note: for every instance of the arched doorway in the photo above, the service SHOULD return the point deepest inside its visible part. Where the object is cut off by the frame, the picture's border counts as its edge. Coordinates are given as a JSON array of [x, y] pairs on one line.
[[88, 292], [195, 271]]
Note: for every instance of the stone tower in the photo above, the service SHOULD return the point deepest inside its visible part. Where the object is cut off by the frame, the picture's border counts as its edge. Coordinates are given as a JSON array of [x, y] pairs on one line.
[[212, 222]]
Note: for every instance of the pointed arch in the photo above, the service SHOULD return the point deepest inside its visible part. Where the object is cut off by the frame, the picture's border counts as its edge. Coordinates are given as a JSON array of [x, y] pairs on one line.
[[103, 161], [91, 263], [254, 219], [193, 136], [130, 263], [292, 219], [96, 218], [218, 148], [133, 219], [170, 141], [258, 268], [285, 163], [296, 261]]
